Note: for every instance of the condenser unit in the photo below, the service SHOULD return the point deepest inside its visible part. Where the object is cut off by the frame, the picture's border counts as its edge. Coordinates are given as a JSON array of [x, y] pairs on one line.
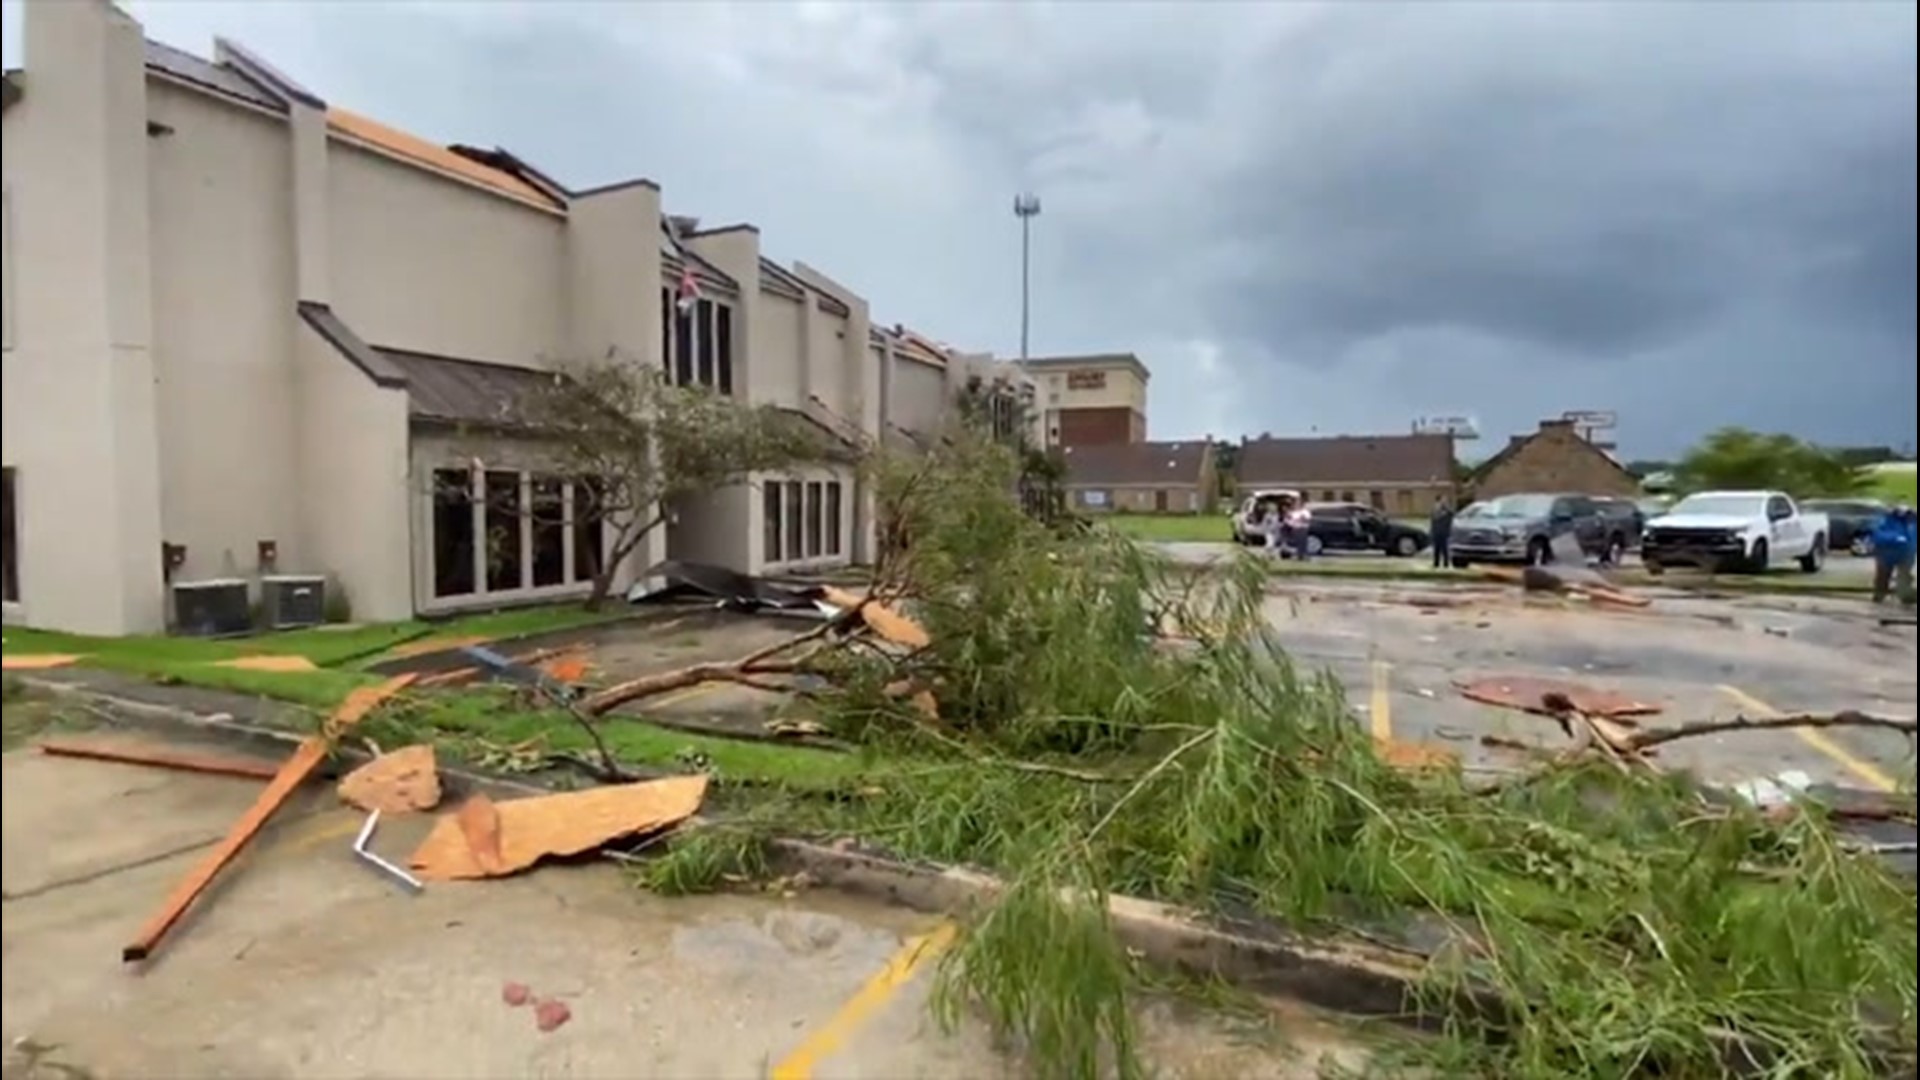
[[288, 601], [217, 607]]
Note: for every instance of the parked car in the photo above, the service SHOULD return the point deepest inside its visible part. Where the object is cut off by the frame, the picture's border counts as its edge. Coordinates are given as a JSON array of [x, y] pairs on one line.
[[1628, 523], [1354, 527], [1525, 528], [1849, 522], [1246, 517], [1736, 530]]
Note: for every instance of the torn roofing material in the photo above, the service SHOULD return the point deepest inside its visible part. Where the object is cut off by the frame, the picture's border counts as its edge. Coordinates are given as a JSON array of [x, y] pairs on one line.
[[415, 150], [221, 79]]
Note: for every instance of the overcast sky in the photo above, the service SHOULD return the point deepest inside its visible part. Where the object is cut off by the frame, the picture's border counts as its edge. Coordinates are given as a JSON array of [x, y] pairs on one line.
[[1302, 217]]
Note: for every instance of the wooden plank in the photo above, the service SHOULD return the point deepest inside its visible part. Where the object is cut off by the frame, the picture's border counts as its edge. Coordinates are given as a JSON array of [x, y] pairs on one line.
[[161, 757], [293, 771]]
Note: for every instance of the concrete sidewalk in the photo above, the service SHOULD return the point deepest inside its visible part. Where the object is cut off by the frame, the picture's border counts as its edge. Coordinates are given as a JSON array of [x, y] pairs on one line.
[[305, 963]]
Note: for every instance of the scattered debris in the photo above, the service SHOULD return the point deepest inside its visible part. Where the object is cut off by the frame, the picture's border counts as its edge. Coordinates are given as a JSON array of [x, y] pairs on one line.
[[550, 1014], [882, 619], [479, 822], [296, 769], [37, 661], [272, 663], [396, 783], [366, 854], [161, 757], [731, 590], [1781, 789], [570, 667], [544, 826], [1528, 693]]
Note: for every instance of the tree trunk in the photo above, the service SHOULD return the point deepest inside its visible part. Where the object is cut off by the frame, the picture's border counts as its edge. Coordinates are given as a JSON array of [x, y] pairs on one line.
[[622, 547]]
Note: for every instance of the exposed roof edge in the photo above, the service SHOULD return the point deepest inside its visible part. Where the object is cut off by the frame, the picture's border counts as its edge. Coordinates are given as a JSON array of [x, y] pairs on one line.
[[245, 61], [10, 88], [739, 226], [338, 334], [508, 162], [617, 185]]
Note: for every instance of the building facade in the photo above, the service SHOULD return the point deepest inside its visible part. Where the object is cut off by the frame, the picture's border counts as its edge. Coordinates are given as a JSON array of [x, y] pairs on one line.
[[1092, 400], [1399, 475], [1142, 477], [249, 333], [1557, 457]]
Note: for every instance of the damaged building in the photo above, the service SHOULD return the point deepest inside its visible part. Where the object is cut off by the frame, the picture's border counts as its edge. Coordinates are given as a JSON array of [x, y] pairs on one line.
[[243, 325]]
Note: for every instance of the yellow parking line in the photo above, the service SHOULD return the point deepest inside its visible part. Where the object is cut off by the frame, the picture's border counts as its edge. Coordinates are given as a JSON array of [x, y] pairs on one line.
[[900, 969], [1380, 703], [1867, 771], [679, 696]]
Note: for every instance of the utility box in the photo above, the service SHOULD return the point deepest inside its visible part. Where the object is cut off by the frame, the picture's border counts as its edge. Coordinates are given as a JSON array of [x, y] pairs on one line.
[[290, 601], [217, 607]]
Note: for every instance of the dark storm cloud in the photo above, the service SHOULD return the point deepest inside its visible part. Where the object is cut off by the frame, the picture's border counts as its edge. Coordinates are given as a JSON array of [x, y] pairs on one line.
[[1304, 216]]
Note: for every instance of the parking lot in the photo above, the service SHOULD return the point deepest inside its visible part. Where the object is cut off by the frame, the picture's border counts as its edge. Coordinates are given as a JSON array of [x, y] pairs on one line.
[[303, 962], [1402, 649]]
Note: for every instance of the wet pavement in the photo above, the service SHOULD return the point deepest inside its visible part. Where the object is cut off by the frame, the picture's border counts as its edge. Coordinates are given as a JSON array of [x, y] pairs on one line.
[[1401, 648], [303, 962]]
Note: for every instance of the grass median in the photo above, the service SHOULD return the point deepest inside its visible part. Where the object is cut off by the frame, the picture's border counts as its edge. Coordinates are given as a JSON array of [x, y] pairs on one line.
[[338, 655]]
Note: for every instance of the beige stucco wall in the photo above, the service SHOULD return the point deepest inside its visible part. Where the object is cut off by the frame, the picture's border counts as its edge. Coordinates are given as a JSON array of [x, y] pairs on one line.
[[425, 263], [774, 376], [920, 397], [79, 379], [223, 291]]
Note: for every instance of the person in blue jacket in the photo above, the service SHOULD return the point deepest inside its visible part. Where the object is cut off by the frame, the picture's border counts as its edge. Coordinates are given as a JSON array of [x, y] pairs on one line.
[[1894, 543]]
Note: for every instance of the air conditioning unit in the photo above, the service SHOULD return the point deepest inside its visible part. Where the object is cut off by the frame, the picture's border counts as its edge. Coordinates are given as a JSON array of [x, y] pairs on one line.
[[288, 601], [217, 607]]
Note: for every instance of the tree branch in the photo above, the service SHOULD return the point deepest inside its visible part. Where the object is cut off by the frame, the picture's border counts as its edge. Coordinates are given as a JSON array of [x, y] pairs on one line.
[[1644, 740]]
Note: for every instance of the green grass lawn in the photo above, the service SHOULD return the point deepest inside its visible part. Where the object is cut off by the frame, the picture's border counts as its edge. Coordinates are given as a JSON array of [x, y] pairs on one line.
[[339, 653], [488, 725], [1174, 528], [1892, 485]]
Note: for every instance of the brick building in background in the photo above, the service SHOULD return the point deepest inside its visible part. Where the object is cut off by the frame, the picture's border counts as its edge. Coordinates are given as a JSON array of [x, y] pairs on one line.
[[1554, 458], [1402, 475], [1092, 400]]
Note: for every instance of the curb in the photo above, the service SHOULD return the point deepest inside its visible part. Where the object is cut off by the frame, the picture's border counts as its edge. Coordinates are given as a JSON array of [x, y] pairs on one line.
[[1350, 976]]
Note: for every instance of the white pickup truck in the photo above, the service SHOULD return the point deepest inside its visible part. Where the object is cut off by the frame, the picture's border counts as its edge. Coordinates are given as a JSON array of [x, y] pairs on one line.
[[1735, 530]]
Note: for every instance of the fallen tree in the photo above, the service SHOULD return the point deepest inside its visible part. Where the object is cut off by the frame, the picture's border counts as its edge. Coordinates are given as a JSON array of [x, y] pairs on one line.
[[1627, 922]]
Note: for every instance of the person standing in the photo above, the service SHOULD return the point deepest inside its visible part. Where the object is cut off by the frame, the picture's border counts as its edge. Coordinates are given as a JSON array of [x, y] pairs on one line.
[[1894, 543], [1300, 527], [1440, 529], [1272, 526]]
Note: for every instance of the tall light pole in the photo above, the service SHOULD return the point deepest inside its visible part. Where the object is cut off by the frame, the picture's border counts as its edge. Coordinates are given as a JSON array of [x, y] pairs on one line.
[[1026, 207]]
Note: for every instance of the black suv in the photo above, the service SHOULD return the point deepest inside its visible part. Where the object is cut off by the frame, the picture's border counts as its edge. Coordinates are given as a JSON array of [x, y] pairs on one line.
[[1353, 527]]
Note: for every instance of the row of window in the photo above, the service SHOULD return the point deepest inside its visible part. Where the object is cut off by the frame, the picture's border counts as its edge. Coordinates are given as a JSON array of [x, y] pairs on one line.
[[502, 530], [696, 342], [801, 520]]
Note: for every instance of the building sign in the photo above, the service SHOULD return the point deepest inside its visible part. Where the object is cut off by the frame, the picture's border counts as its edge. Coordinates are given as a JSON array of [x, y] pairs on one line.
[[1591, 420], [1459, 427], [1086, 380]]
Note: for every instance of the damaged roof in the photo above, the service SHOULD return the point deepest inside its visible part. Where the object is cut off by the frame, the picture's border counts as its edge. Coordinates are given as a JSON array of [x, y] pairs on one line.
[[1347, 459], [446, 390], [222, 79], [1158, 464], [418, 151]]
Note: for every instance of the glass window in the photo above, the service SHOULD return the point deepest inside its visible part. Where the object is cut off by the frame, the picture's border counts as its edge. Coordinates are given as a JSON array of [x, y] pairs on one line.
[[816, 538], [505, 570], [588, 529], [796, 526], [549, 523], [452, 532], [723, 347], [833, 518], [770, 525]]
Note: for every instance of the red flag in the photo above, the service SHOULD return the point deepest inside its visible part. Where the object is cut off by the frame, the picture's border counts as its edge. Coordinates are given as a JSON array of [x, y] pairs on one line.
[[689, 291]]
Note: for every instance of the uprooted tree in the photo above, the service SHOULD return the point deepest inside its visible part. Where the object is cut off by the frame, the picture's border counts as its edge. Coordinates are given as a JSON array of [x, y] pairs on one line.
[[633, 449], [1082, 720]]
